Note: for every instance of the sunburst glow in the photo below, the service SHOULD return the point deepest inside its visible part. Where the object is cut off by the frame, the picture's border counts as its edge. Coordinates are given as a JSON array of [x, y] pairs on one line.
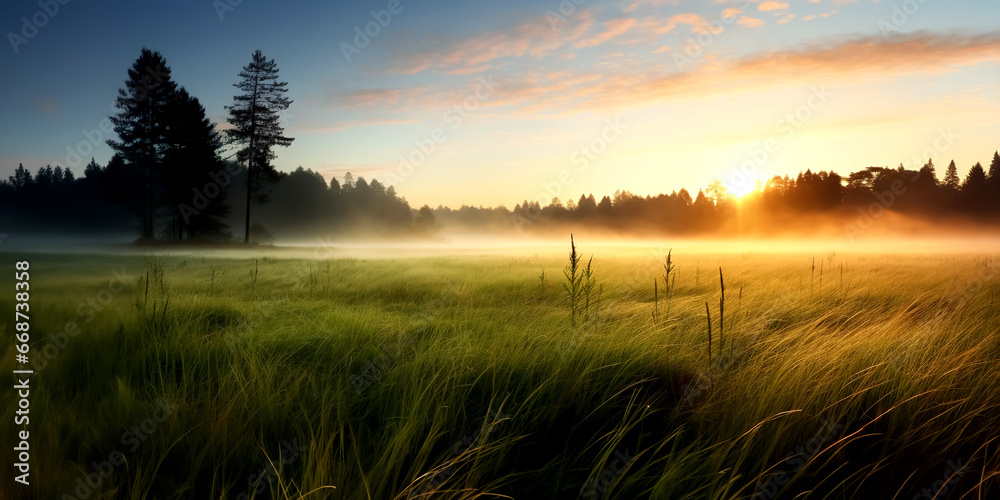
[[742, 190]]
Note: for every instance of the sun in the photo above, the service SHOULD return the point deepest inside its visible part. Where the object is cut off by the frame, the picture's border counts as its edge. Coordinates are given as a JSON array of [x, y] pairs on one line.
[[746, 188]]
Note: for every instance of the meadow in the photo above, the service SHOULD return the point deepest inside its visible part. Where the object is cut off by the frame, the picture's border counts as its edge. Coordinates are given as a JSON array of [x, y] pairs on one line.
[[273, 375]]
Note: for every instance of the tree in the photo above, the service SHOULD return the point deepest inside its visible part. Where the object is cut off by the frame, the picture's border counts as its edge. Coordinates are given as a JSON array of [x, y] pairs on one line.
[[994, 173], [21, 179], [256, 122], [425, 220], [976, 178], [928, 173], [975, 190], [717, 192], [586, 207], [142, 123], [192, 155], [951, 177], [684, 197], [604, 207], [45, 179], [993, 179], [92, 170]]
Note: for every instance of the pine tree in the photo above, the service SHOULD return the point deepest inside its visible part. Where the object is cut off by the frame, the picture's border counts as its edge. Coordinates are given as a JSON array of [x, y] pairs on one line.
[[191, 157], [21, 179], [142, 124], [928, 173], [92, 170], [951, 177], [976, 179], [256, 122], [975, 191], [994, 174]]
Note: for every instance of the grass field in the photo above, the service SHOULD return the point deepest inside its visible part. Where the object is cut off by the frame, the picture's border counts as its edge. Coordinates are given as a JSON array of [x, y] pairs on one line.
[[255, 376]]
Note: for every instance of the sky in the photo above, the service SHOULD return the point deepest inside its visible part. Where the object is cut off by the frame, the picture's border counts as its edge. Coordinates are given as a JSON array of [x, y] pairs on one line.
[[490, 103]]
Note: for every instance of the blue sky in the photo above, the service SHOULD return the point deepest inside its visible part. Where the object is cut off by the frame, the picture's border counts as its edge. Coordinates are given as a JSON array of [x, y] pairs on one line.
[[692, 90]]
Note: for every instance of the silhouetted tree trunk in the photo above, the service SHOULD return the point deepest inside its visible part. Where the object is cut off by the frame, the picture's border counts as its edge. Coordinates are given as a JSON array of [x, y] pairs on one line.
[[256, 122]]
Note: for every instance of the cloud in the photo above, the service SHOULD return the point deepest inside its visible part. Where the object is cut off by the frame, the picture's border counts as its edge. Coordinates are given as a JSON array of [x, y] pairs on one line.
[[535, 38], [612, 28], [366, 98], [396, 99], [345, 125], [554, 87], [654, 3], [698, 24], [811, 17], [918, 53], [848, 61], [766, 6], [538, 38], [750, 22]]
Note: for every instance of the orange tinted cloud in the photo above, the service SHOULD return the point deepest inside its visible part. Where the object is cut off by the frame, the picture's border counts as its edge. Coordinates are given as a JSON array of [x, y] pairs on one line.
[[921, 52], [852, 60], [535, 38], [612, 28], [750, 22], [655, 3], [628, 83], [538, 38], [766, 6]]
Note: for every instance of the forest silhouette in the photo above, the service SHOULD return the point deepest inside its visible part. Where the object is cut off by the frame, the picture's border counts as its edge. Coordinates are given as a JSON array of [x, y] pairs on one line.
[[175, 177]]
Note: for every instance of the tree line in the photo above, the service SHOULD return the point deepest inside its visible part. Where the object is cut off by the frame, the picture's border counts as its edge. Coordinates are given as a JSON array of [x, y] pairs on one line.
[[173, 176], [301, 204], [774, 207]]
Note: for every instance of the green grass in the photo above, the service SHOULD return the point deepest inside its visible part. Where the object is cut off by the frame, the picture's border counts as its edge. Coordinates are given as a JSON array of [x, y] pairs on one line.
[[462, 377]]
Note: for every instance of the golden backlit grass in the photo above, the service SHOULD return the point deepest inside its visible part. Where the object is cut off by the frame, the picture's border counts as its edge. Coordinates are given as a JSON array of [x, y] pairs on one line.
[[462, 377]]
